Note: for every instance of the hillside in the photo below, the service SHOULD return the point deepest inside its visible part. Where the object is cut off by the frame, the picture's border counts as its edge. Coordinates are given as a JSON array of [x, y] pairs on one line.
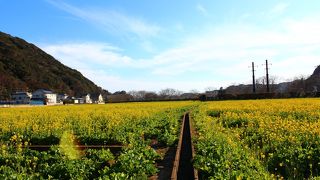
[[23, 66], [313, 82]]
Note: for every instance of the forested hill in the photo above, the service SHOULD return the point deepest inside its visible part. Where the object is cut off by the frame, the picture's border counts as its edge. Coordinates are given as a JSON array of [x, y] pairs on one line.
[[24, 66]]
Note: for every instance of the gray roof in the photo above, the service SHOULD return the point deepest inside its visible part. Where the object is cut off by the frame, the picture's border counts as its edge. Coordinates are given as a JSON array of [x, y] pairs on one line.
[[44, 91]]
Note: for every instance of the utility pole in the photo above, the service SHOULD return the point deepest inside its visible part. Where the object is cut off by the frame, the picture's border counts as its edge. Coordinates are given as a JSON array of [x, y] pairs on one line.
[[267, 76], [253, 79]]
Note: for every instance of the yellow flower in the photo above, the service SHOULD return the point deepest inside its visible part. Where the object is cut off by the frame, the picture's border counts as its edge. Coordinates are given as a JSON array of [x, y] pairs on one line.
[[281, 164]]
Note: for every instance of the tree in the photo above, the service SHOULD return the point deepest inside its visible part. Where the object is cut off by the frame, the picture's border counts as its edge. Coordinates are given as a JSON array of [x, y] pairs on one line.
[[151, 96], [298, 86], [143, 95], [138, 95], [194, 91], [120, 92], [169, 93], [210, 88]]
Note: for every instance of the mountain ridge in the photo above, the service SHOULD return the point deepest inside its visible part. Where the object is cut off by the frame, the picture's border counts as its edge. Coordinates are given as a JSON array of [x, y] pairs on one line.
[[24, 66]]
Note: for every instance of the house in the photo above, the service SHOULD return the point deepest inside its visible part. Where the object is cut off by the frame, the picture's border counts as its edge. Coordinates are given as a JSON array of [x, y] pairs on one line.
[[78, 100], [211, 95], [97, 99], [46, 96], [87, 99], [61, 98], [73, 100], [21, 97]]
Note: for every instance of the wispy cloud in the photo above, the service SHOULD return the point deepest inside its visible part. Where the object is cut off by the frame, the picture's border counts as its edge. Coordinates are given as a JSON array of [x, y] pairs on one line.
[[111, 21], [202, 9], [223, 52], [226, 49], [88, 55]]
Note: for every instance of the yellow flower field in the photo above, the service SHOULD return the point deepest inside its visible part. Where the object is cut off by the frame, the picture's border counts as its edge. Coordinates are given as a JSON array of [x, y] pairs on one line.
[[86, 121], [283, 136], [132, 125], [249, 139]]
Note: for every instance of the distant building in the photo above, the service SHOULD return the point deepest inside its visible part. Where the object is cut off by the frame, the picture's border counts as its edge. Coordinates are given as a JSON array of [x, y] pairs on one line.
[[87, 99], [61, 97], [37, 101], [46, 96], [97, 99], [73, 100], [212, 94], [21, 97], [78, 101]]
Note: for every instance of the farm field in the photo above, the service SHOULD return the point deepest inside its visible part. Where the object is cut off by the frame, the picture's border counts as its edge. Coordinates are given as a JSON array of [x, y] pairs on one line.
[[255, 139], [132, 126], [260, 139]]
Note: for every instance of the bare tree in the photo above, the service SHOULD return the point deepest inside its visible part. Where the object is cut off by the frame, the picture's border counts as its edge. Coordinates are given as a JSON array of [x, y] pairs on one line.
[[298, 86], [169, 93], [143, 95], [151, 96], [273, 79], [210, 88], [261, 84], [194, 91], [138, 95]]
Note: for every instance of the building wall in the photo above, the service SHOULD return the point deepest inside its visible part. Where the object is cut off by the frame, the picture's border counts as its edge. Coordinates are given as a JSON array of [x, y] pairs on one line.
[[38, 94], [51, 98], [87, 99], [47, 96], [21, 98], [100, 99]]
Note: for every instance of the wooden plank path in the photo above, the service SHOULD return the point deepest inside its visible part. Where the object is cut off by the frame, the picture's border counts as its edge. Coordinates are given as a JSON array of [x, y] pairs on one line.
[[183, 168]]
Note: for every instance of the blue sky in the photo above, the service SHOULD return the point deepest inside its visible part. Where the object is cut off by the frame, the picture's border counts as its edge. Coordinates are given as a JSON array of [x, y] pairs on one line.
[[187, 45]]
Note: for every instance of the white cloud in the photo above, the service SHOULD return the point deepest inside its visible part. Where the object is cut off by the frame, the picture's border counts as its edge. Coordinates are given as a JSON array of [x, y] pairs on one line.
[[88, 54], [220, 55], [111, 21], [291, 67], [234, 44]]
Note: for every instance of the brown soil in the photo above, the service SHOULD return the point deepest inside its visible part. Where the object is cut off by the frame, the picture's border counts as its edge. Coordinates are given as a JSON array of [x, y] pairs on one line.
[[166, 164]]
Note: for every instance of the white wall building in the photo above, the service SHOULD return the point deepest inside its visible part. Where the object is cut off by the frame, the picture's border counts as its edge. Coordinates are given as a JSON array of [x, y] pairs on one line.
[[100, 99], [21, 97], [48, 96], [87, 99]]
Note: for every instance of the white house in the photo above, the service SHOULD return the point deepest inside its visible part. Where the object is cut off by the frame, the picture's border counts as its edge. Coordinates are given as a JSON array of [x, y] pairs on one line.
[[87, 99], [98, 99], [21, 97], [47, 96]]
